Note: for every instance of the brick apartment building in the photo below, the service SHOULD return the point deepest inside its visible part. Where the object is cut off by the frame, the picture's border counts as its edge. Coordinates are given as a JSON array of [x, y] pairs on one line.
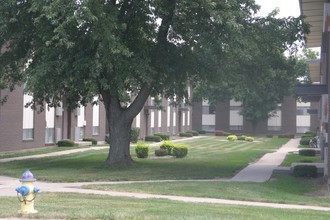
[[292, 117], [24, 128]]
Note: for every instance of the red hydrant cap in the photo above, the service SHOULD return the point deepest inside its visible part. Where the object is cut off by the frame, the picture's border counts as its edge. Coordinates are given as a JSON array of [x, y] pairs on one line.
[[27, 176]]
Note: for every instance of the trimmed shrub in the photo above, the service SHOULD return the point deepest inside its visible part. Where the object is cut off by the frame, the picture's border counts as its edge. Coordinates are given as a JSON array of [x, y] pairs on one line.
[[305, 171], [168, 146], [194, 133], [232, 137], [307, 136], [241, 138], [65, 143], [180, 150], [307, 152], [93, 140], [160, 152], [310, 133], [185, 134], [305, 140], [269, 135], [286, 136], [153, 138], [164, 137], [202, 132], [249, 139], [142, 150], [135, 133]]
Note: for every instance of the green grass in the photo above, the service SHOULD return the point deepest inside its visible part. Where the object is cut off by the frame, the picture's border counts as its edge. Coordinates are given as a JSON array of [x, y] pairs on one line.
[[296, 158], [282, 189], [208, 158], [77, 206], [35, 151]]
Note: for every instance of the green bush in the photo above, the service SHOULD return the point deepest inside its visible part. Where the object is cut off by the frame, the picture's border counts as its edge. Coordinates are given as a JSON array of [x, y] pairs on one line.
[[232, 137], [142, 150], [135, 133], [65, 143], [307, 152], [180, 150], [194, 133], [93, 140], [153, 138], [310, 133], [305, 140], [241, 138], [164, 137], [305, 171], [269, 135], [185, 134], [249, 139], [202, 132], [168, 146], [160, 152], [286, 136], [307, 136]]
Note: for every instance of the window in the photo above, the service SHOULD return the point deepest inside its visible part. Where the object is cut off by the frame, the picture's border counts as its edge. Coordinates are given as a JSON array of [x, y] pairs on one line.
[[275, 122], [96, 116], [28, 119], [50, 125]]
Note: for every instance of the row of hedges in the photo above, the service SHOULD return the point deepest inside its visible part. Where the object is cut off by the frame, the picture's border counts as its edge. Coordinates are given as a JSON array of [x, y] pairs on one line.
[[307, 137], [157, 137], [166, 148], [189, 134], [305, 171], [240, 138], [170, 148], [70, 143]]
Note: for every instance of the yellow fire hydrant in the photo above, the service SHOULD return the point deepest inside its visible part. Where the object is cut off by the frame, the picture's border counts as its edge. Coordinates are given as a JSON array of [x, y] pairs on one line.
[[27, 193]]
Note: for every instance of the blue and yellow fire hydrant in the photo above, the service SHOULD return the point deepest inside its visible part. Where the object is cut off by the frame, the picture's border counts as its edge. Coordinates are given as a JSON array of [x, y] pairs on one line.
[[27, 193]]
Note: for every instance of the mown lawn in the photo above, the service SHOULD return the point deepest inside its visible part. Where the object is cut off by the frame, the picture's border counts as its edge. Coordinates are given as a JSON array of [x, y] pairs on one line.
[[76, 206], [208, 158], [281, 189]]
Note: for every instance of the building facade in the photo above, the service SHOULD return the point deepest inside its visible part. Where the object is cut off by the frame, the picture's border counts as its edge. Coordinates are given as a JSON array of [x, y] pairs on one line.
[[317, 13], [291, 117], [24, 128]]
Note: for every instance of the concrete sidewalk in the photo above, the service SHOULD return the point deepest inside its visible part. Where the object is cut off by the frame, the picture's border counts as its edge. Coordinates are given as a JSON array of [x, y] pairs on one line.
[[262, 170], [8, 185]]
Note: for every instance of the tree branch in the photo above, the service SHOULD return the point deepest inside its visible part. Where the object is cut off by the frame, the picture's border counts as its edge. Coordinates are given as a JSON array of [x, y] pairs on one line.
[[139, 101]]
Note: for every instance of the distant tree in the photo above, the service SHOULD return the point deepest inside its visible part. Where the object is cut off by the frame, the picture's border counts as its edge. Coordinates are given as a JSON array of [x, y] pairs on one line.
[[71, 51], [302, 65], [259, 72]]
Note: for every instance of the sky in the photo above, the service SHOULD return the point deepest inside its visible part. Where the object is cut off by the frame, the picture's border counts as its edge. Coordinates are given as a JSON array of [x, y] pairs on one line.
[[287, 7]]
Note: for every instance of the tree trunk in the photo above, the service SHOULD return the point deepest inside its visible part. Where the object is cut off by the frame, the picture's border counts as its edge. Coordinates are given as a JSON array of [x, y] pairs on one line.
[[119, 152], [119, 123], [119, 134]]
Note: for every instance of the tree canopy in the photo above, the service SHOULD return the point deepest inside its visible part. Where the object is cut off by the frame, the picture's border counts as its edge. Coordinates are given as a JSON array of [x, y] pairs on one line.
[[73, 50], [263, 69]]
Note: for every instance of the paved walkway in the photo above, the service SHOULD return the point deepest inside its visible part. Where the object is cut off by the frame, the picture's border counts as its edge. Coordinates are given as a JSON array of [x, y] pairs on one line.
[[262, 170], [257, 172]]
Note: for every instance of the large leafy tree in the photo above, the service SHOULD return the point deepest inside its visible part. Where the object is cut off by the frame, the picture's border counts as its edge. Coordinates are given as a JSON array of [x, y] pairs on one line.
[[73, 50], [263, 69]]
